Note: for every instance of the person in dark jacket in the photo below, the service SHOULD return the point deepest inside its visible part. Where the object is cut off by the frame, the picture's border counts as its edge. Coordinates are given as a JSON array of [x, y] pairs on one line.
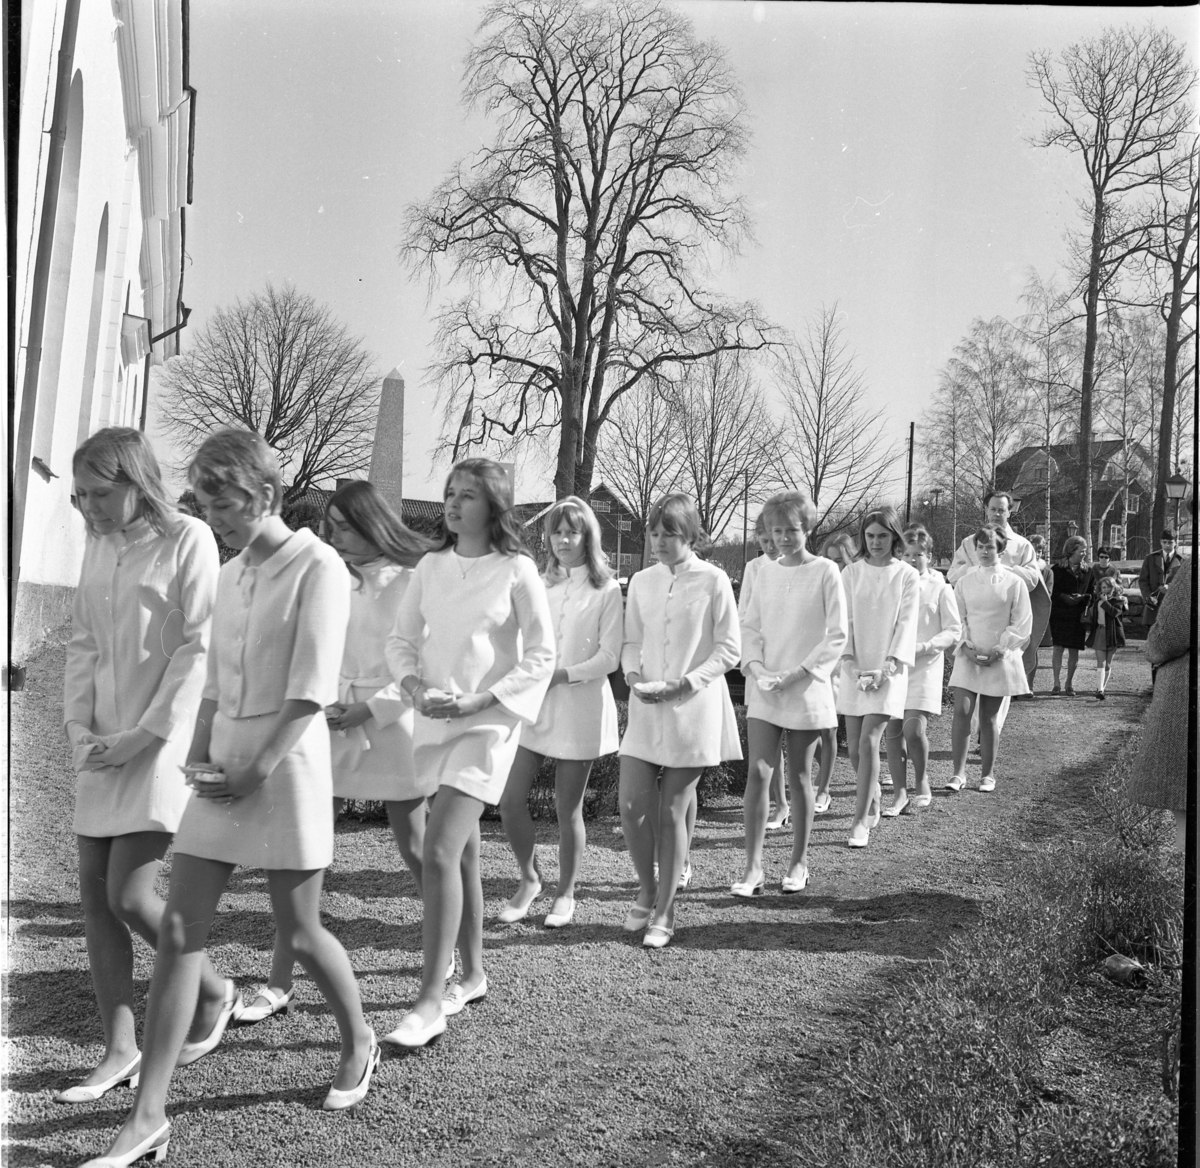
[[1069, 599], [1157, 569], [1107, 631]]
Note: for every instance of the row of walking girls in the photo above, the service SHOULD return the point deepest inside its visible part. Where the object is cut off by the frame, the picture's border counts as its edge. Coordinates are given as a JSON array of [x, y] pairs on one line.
[[227, 708]]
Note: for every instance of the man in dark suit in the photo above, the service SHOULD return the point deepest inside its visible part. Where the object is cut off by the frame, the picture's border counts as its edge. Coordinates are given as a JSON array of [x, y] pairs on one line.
[[1157, 568]]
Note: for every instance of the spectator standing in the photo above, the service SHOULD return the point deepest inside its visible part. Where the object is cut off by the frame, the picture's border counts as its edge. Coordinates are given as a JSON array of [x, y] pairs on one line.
[[1069, 598], [1107, 632], [1157, 569]]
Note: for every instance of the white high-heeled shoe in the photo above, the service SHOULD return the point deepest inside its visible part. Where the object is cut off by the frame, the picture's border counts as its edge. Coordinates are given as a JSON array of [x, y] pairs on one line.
[[90, 1092], [149, 1148], [511, 913], [414, 1034], [338, 1100], [562, 919], [194, 1051]]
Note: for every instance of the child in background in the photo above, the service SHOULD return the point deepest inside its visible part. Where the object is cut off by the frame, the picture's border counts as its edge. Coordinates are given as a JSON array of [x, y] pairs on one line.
[[938, 629], [882, 594], [578, 720], [1107, 633], [840, 549], [993, 603], [793, 633]]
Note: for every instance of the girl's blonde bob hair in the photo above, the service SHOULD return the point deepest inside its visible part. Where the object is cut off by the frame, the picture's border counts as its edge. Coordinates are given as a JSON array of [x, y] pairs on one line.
[[578, 516], [239, 461], [676, 514], [792, 505], [123, 457]]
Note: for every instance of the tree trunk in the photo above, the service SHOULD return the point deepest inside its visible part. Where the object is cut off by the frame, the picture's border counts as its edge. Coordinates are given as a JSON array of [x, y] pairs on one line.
[[568, 438], [1091, 311], [1170, 375]]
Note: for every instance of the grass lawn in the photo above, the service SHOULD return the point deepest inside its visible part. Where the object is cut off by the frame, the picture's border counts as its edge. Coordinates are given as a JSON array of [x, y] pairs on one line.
[[721, 1049]]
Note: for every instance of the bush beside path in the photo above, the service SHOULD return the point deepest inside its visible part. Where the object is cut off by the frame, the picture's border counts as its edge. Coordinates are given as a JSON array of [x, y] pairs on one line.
[[721, 1049]]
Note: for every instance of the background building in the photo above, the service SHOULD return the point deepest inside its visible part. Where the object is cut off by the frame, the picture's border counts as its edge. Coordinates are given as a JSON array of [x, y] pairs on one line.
[[104, 171]]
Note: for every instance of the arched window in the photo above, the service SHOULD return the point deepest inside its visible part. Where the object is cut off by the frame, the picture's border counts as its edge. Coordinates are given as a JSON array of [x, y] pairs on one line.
[[92, 353]]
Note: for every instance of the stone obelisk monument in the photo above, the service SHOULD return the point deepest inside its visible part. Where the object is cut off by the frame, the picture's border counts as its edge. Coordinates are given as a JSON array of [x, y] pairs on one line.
[[387, 455]]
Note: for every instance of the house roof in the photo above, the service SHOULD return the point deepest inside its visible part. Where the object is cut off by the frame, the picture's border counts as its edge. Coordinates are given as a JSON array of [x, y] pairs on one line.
[[1016, 470]]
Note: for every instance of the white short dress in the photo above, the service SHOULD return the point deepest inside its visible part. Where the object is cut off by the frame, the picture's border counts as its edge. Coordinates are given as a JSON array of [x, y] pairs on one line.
[[139, 639], [682, 624], [578, 720], [375, 760], [279, 629], [881, 608], [470, 625], [796, 617], [938, 629], [995, 610]]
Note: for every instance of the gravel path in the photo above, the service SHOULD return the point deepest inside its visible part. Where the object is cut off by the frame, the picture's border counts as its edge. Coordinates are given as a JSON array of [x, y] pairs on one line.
[[588, 1050]]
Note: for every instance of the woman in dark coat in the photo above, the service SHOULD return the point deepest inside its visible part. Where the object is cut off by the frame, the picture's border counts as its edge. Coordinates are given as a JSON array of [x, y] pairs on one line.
[[1106, 634], [1069, 600]]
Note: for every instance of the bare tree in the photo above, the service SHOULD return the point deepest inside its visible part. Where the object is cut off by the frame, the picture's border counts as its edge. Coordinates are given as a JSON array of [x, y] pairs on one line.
[[579, 231], [944, 428], [1052, 364], [728, 439], [833, 444], [1121, 102], [280, 364], [641, 452], [991, 372]]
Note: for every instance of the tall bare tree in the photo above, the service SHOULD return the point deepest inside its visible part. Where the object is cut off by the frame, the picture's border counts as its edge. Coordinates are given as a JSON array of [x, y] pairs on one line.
[[729, 440], [280, 364], [1052, 364], [833, 444], [991, 372], [579, 231], [640, 455], [944, 428], [1121, 103]]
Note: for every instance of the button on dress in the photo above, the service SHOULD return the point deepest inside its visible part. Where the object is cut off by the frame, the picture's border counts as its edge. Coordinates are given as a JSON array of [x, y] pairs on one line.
[[279, 630], [682, 624], [578, 720], [139, 638]]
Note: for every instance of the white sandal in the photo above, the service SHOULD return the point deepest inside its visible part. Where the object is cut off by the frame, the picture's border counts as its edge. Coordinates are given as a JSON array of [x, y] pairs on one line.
[[277, 1003]]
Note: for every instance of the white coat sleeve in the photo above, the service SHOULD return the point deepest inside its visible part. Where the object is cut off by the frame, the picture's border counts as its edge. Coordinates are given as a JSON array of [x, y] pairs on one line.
[[1020, 621], [608, 650], [750, 613], [187, 640], [964, 560], [79, 679], [402, 650], [727, 636], [522, 689], [320, 640], [631, 646], [823, 659], [903, 646], [1026, 567], [951, 623]]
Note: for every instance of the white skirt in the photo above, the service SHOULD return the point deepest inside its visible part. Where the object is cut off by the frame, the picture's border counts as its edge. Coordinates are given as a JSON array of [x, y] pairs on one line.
[[807, 704], [148, 793], [890, 698], [385, 770], [576, 722], [473, 755], [699, 730], [925, 685], [287, 823], [1003, 679]]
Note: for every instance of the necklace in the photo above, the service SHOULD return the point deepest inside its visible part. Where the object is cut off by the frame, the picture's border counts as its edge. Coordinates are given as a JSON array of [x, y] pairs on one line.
[[465, 572]]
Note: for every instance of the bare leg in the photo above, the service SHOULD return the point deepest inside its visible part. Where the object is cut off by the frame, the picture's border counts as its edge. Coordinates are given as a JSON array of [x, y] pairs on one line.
[[407, 820], [453, 822], [677, 794], [764, 743], [690, 817], [867, 771], [801, 745], [296, 902], [916, 740], [638, 797], [1072, 665], [779, 789], [828, 759], [518, 825], [960, 730], [1056, 657], [470, 927], [570, 784], [897, 759], [195, 890], [989, 732]]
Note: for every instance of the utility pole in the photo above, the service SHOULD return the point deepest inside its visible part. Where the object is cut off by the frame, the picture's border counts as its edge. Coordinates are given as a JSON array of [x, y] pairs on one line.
[[912, 434], [746, 519]]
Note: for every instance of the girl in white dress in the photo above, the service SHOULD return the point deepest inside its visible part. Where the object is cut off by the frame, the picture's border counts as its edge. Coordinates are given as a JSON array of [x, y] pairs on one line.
[[938, 629], [578, 720], [681, 637], [371, 723], [259, 766], [882, 594], [840, 549], [997, 621], [793, 632], [473, 647], [134, 673], [778, 793]]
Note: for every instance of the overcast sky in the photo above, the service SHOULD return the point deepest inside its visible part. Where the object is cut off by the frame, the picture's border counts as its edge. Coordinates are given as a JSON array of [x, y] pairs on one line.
[[889, 171]]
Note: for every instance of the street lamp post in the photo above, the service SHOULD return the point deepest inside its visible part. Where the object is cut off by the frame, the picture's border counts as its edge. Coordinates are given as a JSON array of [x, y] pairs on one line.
[[1176, 489]]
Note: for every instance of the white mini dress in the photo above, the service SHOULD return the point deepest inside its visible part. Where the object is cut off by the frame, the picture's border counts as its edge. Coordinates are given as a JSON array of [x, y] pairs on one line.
[[578, 720], [682, 624], [139, 639], [938, 629], [279, 629], [881, 608], [375, 760], [995, 610], [796, 617], [470, 625]]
